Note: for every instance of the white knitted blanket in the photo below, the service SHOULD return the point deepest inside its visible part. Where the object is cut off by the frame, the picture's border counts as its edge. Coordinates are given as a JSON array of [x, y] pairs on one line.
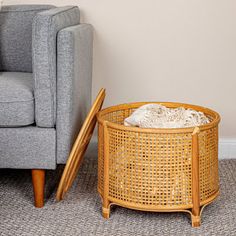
[[158, 116]]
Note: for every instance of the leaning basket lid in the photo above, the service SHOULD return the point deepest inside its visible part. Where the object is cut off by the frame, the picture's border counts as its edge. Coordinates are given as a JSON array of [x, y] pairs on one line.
[[76, 156]]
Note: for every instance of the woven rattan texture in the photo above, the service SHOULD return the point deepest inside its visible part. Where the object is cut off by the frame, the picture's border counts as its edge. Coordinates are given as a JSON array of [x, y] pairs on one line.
[[208, 158], [154, 170]]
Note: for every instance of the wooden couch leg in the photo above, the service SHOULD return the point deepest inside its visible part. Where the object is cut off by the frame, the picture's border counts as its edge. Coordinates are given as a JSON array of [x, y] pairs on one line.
[[38, 180]]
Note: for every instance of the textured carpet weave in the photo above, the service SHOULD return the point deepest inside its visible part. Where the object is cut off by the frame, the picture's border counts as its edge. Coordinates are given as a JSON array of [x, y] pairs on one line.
[[80, 212]]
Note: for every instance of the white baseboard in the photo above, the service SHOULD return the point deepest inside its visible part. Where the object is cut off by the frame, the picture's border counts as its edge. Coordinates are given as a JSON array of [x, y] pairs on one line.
[[227, 148]]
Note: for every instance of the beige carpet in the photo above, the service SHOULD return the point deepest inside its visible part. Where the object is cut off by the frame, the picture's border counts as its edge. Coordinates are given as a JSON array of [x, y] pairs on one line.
[[80, 212]]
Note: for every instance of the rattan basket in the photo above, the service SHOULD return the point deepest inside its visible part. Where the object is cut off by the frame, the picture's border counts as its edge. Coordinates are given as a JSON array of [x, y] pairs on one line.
[[157, 169]]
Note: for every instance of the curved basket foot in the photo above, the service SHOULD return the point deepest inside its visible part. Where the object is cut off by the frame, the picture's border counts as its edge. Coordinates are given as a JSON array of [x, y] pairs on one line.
[[196, 221], [106, 212]]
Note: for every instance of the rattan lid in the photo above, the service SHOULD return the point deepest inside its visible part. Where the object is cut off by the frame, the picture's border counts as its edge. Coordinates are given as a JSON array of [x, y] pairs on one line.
[[76, 156]]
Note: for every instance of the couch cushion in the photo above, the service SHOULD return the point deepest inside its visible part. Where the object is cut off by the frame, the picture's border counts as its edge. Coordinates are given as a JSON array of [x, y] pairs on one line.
[[16, 99], [16, 36]]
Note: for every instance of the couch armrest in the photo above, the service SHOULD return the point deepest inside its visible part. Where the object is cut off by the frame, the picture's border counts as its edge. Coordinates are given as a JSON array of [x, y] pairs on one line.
[[46, 25], [74, 84]]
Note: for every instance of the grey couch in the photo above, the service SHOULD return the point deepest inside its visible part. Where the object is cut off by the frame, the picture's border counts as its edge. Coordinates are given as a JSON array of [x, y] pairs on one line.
[[45, 86]]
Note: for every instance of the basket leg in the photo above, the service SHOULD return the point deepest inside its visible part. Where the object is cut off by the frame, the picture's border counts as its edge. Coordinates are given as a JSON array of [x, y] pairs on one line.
[[106, 202], [106, 211], [196, 220]]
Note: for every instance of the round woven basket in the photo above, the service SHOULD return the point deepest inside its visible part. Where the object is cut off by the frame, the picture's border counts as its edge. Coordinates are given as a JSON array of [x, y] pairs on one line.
[[157, 169]]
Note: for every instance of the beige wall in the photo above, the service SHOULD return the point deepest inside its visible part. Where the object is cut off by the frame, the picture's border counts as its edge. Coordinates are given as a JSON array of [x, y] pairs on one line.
[[164, 50]]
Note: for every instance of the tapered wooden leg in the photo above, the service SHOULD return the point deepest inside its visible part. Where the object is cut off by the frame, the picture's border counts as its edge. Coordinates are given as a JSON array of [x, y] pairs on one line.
[[38, 179]]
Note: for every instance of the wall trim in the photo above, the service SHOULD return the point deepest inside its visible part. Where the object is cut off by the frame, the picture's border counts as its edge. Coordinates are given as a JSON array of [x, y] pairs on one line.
[[227, 148]]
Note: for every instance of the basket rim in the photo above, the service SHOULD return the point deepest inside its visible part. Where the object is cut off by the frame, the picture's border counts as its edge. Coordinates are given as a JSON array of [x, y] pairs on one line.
[[215, 116]]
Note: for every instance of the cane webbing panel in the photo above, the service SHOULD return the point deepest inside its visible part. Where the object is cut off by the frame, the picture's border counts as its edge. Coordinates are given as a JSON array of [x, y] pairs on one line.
[[155, 168]]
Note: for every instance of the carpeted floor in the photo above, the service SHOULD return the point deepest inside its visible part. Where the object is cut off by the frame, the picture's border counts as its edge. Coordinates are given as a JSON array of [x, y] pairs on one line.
[[80, 212]]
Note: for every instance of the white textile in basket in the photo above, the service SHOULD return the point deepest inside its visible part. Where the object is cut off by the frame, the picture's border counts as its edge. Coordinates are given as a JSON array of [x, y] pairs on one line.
[[158, 116]]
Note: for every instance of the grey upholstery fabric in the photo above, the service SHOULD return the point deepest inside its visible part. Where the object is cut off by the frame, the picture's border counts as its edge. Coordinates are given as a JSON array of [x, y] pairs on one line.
[[45, 28], [16, 99], [27, 148], [16, 37], [74, 83]]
